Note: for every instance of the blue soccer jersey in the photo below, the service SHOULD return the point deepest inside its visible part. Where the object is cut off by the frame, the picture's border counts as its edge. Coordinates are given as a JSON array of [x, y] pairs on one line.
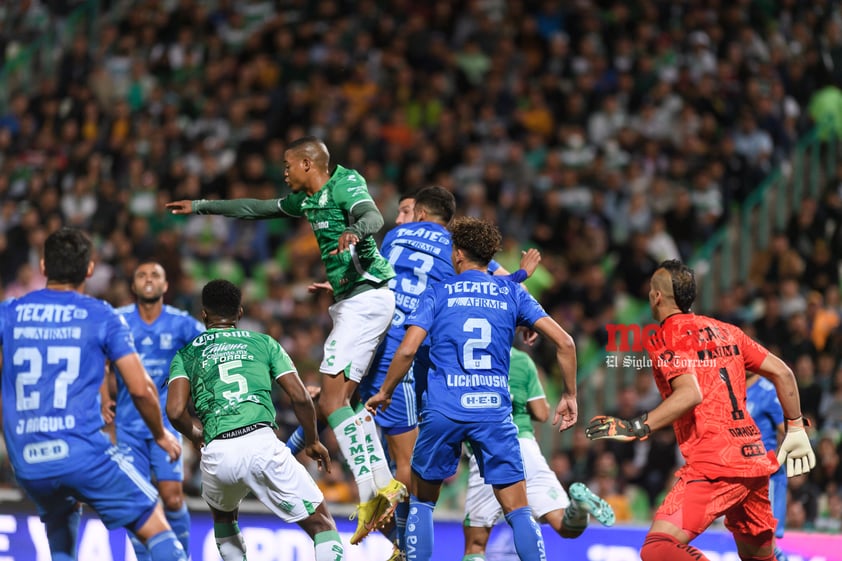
[[157, 343], [420, 254], [765, 408], [55, 344], [471, 320]]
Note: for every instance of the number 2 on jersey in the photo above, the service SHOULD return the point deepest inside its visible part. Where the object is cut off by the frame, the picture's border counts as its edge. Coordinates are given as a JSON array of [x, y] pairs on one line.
[[33, 357], [470, 358]]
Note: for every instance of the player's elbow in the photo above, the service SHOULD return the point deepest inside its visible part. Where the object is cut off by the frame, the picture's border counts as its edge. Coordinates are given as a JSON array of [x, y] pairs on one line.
[[565, 343]]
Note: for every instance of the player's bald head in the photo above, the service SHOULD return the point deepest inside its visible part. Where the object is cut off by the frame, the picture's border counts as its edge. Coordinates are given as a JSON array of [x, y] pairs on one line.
[[311, 148], [676, 282]]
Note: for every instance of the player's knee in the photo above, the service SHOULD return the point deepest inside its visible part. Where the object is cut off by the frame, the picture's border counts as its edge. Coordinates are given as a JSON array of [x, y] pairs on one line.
[[660, 546], [172, 500], [760, 547]]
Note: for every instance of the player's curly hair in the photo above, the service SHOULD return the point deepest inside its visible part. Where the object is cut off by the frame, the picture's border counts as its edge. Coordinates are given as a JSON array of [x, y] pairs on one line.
[[438, 202], [479, 239], [222, 298], [683, 283]]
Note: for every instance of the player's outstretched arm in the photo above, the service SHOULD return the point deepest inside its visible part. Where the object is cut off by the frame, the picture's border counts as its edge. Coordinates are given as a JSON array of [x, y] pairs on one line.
[[305, 412], [178, 398], [567, 410], [684, 397], [144, 395], [398, 368], [246, 209], [795, 451]]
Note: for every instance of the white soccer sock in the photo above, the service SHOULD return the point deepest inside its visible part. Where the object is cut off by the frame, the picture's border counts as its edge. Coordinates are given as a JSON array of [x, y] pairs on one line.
[[229, 542], [350, 436], [328, 546], [374, 447]]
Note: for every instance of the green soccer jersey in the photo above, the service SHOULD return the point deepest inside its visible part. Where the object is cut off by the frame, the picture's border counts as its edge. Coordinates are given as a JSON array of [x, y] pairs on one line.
[[231, 373], [524, 386], [329, 213]]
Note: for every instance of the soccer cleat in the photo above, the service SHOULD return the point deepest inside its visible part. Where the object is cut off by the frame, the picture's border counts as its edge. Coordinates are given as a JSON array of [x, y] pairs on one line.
[[367, 515], [597, 507], [397, 555], [392, 494]]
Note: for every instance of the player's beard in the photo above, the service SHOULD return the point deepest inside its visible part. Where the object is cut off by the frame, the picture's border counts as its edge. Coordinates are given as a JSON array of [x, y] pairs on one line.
[[149, 299]]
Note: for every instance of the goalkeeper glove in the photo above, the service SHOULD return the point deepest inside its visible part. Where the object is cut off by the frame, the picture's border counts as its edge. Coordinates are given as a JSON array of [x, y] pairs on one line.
[[796, 450], [603, 426]]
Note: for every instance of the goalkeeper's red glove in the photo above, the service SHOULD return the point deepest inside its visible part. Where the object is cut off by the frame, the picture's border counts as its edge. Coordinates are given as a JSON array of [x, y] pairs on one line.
[[604, 426]]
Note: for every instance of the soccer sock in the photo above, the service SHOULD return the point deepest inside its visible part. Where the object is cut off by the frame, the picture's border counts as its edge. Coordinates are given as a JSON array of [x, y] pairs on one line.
[[575, 517], [180, 523], [400, 524], [140, 550], [374, 447], [62, 533], [350, 436], [780, 555], [295, 442], [328, 546], [229, 541], [419, 534], [659, 546], [164, 546], [529, 542], [474, 557]]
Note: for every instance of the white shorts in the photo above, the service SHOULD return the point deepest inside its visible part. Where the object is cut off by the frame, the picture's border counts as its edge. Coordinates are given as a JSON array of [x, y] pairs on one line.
[[260, 463], [359, 325], [543, 490]]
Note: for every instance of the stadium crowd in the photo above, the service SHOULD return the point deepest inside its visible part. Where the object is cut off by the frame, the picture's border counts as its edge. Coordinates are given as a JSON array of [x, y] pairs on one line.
[[610, 134]]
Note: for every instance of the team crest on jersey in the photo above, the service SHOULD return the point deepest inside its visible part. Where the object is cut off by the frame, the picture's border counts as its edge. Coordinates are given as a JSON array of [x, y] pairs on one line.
[[166, 341], [323, 198]]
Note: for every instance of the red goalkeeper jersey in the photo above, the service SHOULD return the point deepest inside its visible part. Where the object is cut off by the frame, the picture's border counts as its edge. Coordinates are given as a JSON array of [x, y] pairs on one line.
[[718, 437]]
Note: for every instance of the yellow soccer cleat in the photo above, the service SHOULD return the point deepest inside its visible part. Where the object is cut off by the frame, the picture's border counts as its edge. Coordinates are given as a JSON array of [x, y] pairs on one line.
[[367, 515], [392, 494], [397, 555]]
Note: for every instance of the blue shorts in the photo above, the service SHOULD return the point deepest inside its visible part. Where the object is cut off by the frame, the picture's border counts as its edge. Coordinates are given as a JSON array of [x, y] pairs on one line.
[[109, 483], [777, 496], [439, 448], [149, 458], [401, 415]]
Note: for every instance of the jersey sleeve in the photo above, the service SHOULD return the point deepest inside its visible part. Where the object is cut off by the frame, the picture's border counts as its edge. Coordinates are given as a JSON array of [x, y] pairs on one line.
[[753, 353], [425, 312], [493, 266], [118, 338], [529, 310], [177, 367], [523, 379], [291, 204], [280, 363], [350, 191]]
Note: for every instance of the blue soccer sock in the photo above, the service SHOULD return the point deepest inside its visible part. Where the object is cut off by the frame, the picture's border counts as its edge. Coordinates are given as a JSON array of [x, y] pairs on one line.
[[62, 533], [180, 523], [295, 442], [401, 511], [164, 546], [529, 542], [140, 550], [419, 534]]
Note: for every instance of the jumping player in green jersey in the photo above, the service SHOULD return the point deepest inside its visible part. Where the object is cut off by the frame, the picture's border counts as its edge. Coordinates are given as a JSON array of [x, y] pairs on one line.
[[343, 217], [228, 373]]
